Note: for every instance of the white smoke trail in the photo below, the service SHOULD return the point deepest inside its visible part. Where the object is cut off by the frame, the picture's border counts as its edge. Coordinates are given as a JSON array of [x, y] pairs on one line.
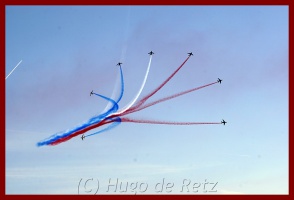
[[13, 69], [141, 89]]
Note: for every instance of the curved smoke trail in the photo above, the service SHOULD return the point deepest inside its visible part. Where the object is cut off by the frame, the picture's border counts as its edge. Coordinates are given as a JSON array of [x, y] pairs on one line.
[[139, 92], [115, 89]]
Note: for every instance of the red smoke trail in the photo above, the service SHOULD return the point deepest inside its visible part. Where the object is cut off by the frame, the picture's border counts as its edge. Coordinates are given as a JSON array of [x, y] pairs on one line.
[[157, 89], [167, 98], [125, 119], [103, 122]]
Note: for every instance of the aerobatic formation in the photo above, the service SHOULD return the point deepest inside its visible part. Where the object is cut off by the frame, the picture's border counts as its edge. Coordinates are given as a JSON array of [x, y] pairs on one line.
[[113, 116]]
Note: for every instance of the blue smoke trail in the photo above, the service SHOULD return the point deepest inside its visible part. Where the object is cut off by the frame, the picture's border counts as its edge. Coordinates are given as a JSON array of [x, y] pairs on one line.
[[98, 118], [112, 125], [91, 121], [121, 91], [122, 85]]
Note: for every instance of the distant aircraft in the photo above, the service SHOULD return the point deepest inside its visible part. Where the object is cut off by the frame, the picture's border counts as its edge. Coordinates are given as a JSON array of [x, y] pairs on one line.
[[83, 137], [224, 122], [190, 54], [219, 81], [119, 63], [150, 53], [91, 93]]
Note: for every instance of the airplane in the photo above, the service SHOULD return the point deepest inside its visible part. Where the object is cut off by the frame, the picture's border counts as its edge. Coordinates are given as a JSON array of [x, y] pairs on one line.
[[224, 122], [119, 63], [83, 137], [190, 54], [219, 81], [91, 92], [150, 53]]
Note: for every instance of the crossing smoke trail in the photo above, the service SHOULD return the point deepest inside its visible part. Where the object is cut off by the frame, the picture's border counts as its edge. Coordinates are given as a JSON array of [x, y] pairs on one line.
[[99, 120], [114, 122], [94, 122], [66, 135], [117, 119], [113, 116]]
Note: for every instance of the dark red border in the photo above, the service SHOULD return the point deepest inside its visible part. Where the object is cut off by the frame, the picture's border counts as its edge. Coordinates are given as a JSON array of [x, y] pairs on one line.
[[129, 2], [147, 2]]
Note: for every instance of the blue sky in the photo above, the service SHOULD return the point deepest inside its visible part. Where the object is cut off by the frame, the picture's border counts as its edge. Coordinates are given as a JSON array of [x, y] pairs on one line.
[[67, 51]]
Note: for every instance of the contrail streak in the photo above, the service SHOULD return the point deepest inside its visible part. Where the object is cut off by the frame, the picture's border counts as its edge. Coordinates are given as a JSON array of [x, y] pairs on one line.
[[13, 69]]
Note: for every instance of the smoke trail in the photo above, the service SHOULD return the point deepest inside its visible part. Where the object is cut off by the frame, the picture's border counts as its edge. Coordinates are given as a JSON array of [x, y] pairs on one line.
[[122, 56], [122, 85], [114, 108], [113, 117], [116, 121], [115, 89], [142, 101], [13, 69], [167, 98], [165, 122], [139, 92], [114, 92], [90, 124], [101, 123]]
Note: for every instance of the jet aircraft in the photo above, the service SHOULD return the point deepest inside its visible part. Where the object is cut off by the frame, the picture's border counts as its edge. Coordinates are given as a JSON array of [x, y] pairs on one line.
[[219, 81], [224, 122]]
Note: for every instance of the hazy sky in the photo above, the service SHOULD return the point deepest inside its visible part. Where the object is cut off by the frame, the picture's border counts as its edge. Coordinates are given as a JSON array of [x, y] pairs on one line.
[[67, 51]]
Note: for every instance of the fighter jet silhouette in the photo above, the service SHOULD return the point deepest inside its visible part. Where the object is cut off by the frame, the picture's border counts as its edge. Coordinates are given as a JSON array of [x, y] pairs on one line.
[[224, 122], [83, 137]]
